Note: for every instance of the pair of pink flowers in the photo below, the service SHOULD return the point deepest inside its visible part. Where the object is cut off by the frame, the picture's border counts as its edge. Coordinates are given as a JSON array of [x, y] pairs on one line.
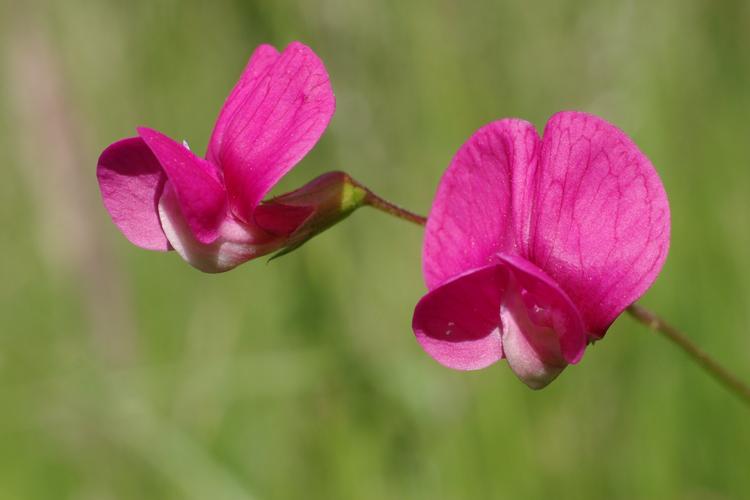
[[532, 248]]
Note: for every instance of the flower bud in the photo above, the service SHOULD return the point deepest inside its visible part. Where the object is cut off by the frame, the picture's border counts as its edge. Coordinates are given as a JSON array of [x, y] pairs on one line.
[[305, 212]]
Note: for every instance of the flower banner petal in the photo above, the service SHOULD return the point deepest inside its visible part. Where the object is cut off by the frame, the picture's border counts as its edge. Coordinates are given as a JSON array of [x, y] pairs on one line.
[[257, 67], [601, 219], [270, 122], [482, 204]]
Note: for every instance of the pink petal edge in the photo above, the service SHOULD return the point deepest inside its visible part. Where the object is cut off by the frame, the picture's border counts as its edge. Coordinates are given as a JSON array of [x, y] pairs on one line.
[[458, 322], [131, 181]]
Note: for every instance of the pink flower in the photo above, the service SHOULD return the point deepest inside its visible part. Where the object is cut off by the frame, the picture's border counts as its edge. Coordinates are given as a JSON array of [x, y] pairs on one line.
[[162, 196], [534, 246]]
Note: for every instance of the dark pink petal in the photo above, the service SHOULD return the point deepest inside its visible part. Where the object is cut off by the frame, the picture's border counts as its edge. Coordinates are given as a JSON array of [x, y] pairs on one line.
[[601, 218], [270, 122], [198, 189], [458, 323], [482, 205], [257, 67], [131, 181]]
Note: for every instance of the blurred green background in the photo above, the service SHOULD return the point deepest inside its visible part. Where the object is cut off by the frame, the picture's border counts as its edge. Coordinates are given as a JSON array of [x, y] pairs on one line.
[[126, 374]]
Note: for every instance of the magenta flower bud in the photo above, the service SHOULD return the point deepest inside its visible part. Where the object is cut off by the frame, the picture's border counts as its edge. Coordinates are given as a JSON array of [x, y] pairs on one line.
[[162, 196], [535, 245]]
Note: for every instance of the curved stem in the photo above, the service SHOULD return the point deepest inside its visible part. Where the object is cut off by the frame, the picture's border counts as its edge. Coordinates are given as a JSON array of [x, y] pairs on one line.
[[724, 376], [640, 313], [376, 201]]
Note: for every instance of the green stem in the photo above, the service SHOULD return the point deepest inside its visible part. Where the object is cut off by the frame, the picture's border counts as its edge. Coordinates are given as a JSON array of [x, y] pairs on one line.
[[640, 313]]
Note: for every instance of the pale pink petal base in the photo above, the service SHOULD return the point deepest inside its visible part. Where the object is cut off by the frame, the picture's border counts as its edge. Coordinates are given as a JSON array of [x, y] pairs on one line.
[[542, 331], [533, 353], [533, 293], [235, 243]]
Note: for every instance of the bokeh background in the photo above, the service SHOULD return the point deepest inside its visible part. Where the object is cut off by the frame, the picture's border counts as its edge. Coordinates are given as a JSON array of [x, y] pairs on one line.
[[127, 374]]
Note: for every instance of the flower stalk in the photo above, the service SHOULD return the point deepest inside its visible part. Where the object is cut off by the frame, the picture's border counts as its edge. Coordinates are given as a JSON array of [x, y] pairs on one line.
[[375, 201]]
